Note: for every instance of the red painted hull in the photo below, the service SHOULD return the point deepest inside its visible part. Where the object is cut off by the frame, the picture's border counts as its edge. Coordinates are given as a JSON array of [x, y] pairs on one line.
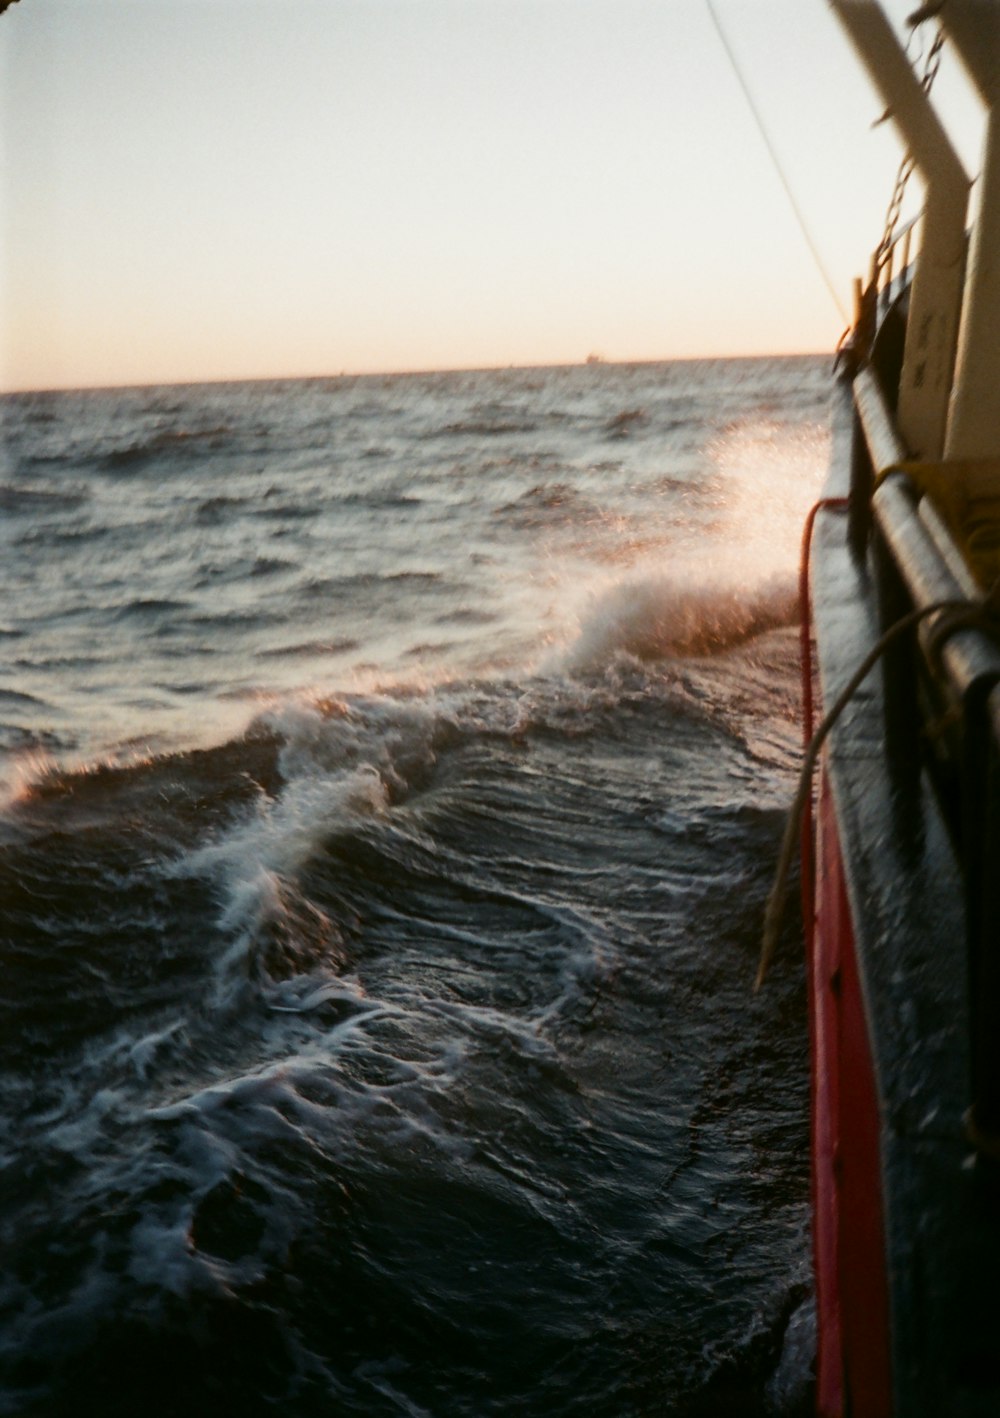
[[853, 1359]]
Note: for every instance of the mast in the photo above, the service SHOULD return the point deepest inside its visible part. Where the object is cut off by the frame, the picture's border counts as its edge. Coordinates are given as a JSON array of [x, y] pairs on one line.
[[936, 295], [974, 426], [949, 398]]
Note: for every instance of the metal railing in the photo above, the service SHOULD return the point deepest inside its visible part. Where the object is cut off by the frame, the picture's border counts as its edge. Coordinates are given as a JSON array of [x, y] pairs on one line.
[[942, 707]]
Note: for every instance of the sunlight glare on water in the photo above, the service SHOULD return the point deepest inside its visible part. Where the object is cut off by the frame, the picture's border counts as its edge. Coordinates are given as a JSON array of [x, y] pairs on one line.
[[686, 590], [771, 474]]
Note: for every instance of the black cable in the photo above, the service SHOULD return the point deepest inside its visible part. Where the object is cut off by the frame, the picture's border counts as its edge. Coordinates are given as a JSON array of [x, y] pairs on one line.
[[772, 152]]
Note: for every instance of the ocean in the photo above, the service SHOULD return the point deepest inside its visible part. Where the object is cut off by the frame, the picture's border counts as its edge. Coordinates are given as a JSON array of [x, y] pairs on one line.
[[392, 771]]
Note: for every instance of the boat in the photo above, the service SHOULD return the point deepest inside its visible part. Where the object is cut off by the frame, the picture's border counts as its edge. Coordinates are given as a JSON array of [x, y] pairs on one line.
[[900, 839]]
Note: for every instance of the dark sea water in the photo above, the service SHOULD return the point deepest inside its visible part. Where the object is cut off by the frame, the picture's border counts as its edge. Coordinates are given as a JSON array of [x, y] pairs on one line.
[[391, 775]]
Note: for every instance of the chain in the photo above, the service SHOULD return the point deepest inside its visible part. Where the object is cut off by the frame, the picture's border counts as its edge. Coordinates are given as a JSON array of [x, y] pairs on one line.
[[881, 256], [932, 64], [933, 61]]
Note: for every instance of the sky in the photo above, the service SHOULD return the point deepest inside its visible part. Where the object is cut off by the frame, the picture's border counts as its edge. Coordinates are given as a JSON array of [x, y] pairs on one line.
[[225, 189]]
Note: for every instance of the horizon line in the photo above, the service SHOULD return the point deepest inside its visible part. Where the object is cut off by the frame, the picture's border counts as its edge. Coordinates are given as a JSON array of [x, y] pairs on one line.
[[591, 360]]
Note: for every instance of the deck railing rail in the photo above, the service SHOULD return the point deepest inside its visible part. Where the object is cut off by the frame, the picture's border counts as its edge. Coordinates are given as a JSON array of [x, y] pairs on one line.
[[942, 706]]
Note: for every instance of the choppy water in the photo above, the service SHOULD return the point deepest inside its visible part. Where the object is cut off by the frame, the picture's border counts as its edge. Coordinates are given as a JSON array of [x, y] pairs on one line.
[[392, 770]]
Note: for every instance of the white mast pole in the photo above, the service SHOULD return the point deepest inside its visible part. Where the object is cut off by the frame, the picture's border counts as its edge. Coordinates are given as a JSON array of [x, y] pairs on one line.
[[936, 295], [974, 425]]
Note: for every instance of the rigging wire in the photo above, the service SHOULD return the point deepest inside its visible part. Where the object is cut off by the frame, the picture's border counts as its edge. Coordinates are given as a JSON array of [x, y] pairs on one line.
[[776, 161], [931, 61]]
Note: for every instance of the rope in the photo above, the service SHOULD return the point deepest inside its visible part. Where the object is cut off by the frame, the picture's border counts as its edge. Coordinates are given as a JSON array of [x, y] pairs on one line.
[[954, 615], [776, 161], [964, 613]]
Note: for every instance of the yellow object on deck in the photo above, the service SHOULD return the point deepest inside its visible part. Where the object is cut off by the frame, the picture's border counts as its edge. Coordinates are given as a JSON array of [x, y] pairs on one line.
[[967, 495]]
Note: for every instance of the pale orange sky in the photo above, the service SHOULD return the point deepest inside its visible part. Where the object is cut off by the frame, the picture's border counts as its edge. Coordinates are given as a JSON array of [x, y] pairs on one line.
[[203, 189]]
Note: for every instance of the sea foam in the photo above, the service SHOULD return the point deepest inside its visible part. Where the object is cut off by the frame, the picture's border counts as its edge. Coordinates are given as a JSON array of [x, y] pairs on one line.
[[653, 618]]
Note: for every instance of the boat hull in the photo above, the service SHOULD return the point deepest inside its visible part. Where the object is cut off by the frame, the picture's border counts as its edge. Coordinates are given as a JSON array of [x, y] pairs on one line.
[[907, 1211], [848, 1236]]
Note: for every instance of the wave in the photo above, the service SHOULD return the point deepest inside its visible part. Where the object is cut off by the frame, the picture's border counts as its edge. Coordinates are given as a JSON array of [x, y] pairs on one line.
[[14, 698], [486, 428], [323, 587], [283, 511], [30, 500], [148, 607], [269, 565], [214, 510], [385, 501], [276, 932], [24, 746], [309, 648], [467, 615], [380, 942], [548, 503], [140, 451], [47, 536], [343, 840], [650, 619], [330, 1049], [623, 423], [237, 617]]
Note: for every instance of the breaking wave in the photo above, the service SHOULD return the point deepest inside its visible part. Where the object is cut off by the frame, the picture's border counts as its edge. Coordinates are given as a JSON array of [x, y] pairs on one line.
[[653, 619]]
